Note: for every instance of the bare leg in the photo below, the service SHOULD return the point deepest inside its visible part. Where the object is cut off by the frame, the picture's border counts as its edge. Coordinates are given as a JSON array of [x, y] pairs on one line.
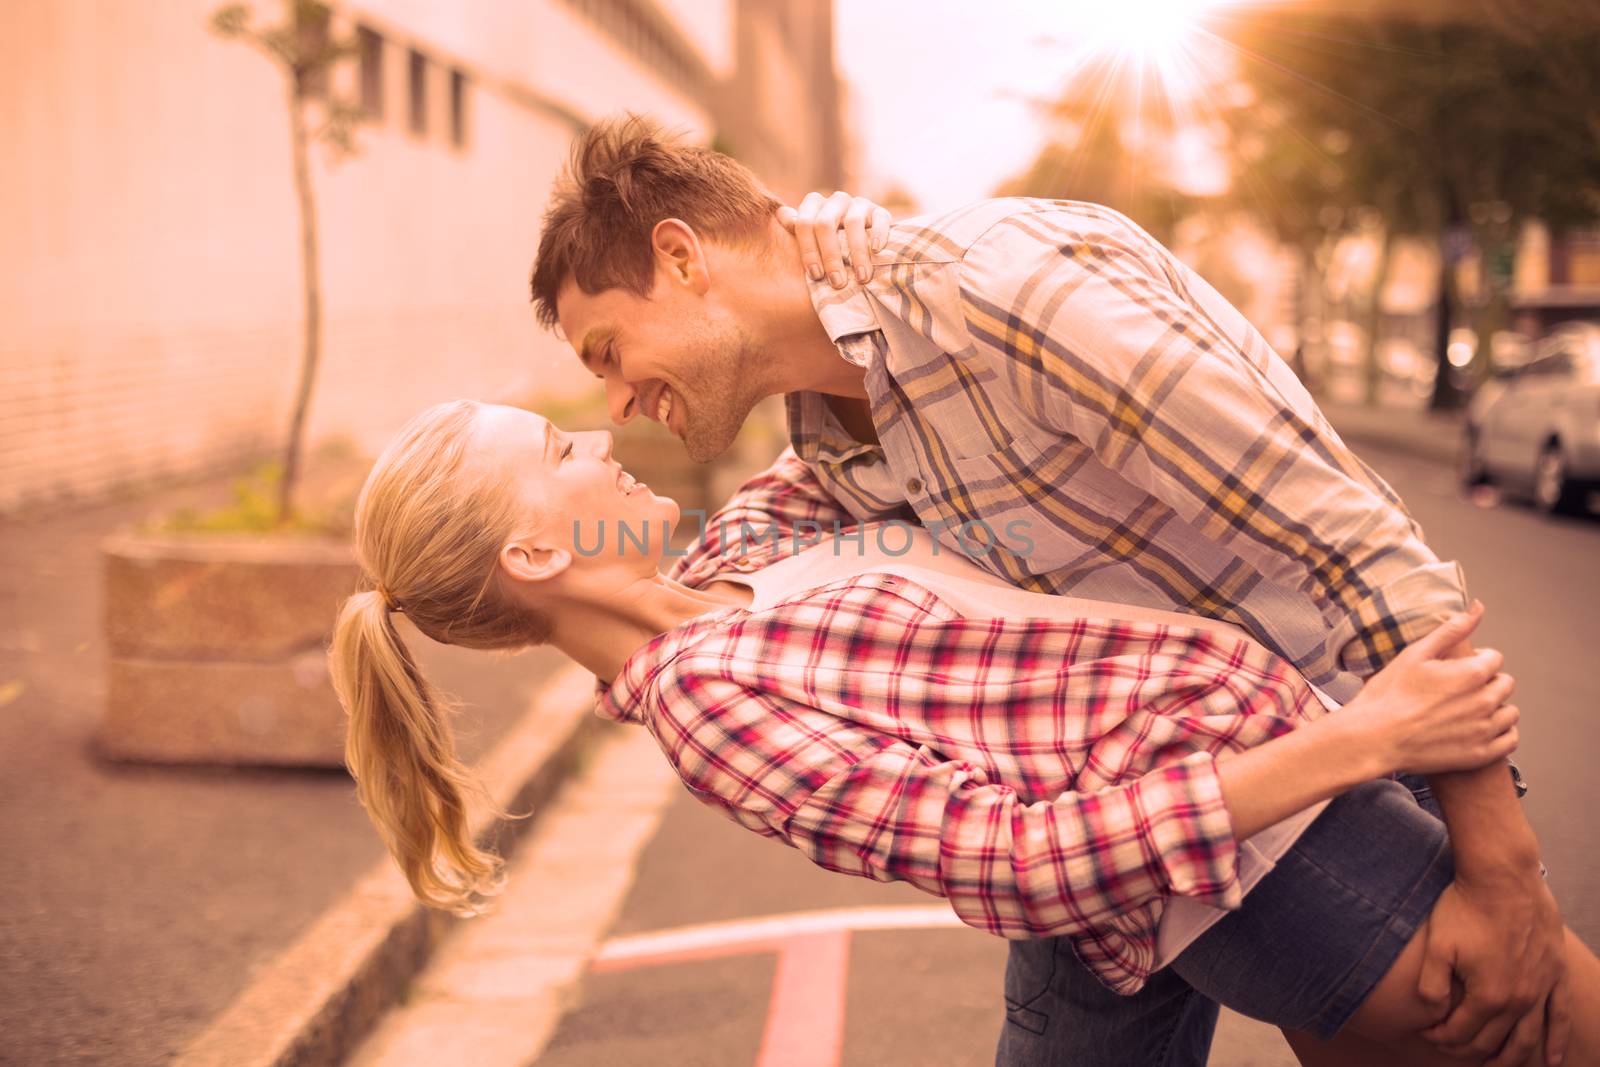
[[1383, 1033]]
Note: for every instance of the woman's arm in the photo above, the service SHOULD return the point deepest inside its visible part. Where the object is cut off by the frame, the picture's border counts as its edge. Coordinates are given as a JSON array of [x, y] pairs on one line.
[[784, 724], [1421, 713]]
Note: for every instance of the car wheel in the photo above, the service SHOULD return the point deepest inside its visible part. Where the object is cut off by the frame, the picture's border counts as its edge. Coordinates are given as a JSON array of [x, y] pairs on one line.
[[1469, 461], [1554, 491]]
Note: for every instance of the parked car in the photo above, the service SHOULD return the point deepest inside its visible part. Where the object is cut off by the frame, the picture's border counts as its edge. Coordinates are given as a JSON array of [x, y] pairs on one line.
[[1536, 428]]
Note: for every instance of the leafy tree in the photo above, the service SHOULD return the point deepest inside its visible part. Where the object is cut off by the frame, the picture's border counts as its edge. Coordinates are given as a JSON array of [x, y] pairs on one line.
[[306, 52], [1095, 155], [1458, 126]]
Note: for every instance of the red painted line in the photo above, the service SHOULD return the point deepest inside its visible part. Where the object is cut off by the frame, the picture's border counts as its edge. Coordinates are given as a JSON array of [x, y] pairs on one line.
[[805, 1018]]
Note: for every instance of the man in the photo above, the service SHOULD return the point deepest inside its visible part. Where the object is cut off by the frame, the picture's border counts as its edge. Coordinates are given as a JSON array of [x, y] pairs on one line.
[[1045, 366]]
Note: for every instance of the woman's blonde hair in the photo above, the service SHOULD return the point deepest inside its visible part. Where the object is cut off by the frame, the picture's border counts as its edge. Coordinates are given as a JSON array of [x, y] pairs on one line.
[[428, 534]]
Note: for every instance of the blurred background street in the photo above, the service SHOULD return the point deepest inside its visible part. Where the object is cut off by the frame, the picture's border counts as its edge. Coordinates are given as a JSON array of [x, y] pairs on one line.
[[245, 242]]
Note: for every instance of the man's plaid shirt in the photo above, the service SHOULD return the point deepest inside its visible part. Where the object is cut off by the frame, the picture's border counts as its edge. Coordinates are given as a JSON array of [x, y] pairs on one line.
[[1047, 777], [1046, 366]]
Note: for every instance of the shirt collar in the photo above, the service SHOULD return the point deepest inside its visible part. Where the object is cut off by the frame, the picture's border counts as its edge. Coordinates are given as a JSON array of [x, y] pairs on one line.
[[850, 320], [843, 312]]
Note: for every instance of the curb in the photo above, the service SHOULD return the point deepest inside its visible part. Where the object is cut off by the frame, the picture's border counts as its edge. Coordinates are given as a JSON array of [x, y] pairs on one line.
[[314, 1003]]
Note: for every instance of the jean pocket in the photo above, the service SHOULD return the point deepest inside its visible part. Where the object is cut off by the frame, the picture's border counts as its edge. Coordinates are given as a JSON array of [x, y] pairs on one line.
[[1030, 968]]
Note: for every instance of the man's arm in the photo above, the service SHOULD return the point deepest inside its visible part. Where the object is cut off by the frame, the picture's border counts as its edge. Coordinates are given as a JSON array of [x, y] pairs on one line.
[[778, 502], [1106, 338]]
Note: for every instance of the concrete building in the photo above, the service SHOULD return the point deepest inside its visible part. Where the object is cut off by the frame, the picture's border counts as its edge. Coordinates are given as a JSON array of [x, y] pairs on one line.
[[1556, 278], [153, 307]]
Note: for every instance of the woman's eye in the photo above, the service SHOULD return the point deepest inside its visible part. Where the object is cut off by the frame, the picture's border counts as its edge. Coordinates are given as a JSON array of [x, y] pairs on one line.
[[565, 452]]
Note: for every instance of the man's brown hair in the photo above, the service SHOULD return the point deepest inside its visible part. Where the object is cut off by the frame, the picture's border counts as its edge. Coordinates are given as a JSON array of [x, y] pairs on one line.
[[624, 176]]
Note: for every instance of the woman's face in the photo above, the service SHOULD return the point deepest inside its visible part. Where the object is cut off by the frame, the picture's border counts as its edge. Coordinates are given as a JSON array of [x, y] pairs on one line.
[[591, 507]]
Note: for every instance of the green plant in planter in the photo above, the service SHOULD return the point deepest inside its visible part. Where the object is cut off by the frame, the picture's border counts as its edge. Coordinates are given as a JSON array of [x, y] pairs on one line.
[[255, 509]]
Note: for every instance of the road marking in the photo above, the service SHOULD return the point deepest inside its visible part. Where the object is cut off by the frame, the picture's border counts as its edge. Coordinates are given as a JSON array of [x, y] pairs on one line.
[[805, 1017], [755, 935]]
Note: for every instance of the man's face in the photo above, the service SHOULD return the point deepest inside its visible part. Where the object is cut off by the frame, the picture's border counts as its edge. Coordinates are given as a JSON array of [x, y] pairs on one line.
[[675, 353]]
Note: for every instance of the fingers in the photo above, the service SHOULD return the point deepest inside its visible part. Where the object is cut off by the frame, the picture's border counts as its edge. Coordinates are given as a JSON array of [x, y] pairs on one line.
[[824, 253], [1433, 981], [804, 230], [1503, 746], [878, 227], [825, 235], [1478, 1027], [1497, 690], [1523, 1040], [1558, 1022], [1478, 674], [855, 235], [1452, 631]]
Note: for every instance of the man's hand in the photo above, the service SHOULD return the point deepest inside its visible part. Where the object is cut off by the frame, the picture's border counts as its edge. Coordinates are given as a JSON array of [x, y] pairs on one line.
[[816, 227], [1506, 942], [1498, 930]]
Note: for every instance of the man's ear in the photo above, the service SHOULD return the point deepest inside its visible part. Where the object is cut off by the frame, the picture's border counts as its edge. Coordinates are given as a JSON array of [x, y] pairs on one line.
[[524, 560], [679, 254]]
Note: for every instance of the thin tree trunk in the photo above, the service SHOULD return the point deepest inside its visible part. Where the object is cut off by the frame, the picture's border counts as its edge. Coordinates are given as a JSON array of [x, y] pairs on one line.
[[313, 302], [1444, 390]]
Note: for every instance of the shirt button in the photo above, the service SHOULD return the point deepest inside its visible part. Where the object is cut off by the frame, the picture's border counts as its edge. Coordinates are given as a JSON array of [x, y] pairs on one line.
[[914, 486]]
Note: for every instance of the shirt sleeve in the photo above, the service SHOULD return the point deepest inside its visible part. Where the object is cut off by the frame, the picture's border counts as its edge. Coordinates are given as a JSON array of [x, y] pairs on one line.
[[1046, 869], [1108, 338], [862, 802], [769, 508]]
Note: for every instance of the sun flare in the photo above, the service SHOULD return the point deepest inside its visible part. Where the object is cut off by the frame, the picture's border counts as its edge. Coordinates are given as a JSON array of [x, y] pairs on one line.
[[1158, 43]]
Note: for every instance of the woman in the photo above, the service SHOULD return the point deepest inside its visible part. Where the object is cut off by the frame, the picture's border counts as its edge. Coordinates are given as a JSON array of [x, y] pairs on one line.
[[1057, 767]]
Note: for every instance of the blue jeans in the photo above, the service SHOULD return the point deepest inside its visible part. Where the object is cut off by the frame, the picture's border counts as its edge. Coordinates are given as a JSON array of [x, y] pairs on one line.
[[1058, 1014]]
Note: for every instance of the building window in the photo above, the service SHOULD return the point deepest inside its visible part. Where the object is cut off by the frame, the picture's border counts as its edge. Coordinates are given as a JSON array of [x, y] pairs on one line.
[[369, 44], [311, 41], [458, 109], [419, 93]]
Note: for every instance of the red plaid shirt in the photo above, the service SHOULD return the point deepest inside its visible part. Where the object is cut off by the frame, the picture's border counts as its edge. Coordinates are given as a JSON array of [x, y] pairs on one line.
[[1046, 777]]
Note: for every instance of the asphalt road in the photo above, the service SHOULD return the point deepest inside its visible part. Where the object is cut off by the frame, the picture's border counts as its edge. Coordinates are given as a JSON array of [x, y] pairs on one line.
[[932, 996]]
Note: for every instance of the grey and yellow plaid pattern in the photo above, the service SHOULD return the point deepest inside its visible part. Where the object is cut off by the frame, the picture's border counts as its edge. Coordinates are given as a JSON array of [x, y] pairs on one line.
[[1047, 368]]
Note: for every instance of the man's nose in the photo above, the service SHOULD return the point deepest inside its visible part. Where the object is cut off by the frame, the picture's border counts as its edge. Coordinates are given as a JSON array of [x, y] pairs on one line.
[[622, 400]]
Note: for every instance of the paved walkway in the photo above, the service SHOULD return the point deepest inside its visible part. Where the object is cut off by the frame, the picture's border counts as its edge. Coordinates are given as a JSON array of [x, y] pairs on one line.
[[138, 899]]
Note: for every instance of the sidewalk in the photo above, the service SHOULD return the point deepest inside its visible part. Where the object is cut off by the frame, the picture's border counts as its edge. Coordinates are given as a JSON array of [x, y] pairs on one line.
[[141, 900], [1430, 435]]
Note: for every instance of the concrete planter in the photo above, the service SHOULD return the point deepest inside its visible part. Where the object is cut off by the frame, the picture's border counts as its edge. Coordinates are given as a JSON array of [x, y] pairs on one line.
[[217, 647]]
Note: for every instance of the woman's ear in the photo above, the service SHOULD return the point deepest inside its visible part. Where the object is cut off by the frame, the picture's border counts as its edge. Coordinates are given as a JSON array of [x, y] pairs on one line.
[[679, 254], [526, 561]]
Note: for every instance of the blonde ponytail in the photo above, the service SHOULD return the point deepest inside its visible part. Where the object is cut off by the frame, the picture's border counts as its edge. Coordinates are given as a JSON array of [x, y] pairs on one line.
[[428, 534]]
